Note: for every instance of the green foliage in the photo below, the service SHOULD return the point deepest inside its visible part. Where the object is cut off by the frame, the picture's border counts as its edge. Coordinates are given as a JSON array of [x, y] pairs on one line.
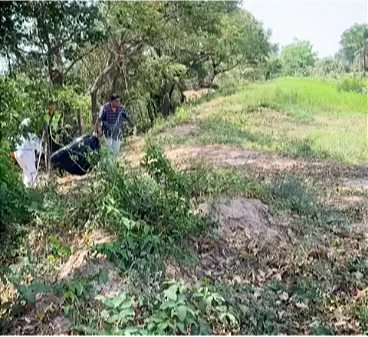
[[14, 201], [328, 68], [57, 34], [297, 58], [353, 44], [139, 245], [273, 67], [241, 41], [353, 84], [158, 197], [56, 249], [25, 98], [175, 309], [292, 194]]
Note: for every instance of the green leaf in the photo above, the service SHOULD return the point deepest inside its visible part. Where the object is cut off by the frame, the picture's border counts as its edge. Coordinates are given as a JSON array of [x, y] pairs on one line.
[[201, 328], [181, 327], [113, 318], [79, 289], [66, 310], [29, 296], [131, 330], [162, 326], [112, 303], [202, 305], [104, 275], [182, 312], [38, 287], [170, 293], [85, 329], [115, 303], [167, 304]]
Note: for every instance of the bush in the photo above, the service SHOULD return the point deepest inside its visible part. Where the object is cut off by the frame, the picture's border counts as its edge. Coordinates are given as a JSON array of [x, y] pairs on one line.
[[13, 201], [158, 196], [352, 84]]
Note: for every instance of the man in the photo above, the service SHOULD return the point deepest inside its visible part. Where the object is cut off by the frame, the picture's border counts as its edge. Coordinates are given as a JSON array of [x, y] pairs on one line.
[[111, 117], [25, 154]]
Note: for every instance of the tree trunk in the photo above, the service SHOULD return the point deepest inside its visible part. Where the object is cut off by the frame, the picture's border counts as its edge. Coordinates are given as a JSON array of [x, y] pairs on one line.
[[96, 86], [94, 106], [364, 66], [79, 123]]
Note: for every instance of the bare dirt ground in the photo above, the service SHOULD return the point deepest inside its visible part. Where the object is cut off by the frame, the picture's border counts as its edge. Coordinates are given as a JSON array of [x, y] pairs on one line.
[[228, 156], [245, 229], [195, 94]]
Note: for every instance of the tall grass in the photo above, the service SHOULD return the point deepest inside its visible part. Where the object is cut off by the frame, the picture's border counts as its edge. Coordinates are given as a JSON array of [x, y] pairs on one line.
[[304, 95]]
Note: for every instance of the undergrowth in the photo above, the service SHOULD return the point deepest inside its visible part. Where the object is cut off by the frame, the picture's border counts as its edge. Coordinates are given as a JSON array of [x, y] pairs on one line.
[[150, 212]]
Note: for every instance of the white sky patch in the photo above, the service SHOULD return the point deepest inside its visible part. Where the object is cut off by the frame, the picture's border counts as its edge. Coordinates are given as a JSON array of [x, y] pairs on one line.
[[320, 22]]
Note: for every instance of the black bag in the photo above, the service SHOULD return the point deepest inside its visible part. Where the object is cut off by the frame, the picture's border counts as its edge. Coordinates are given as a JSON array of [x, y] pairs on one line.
[[74, 157]]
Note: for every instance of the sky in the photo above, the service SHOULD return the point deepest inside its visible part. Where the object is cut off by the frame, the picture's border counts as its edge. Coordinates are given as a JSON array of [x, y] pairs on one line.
[[320, 22]]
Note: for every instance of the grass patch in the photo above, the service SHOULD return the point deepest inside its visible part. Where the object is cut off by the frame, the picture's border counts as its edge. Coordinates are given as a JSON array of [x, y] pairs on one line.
[[299, 116]]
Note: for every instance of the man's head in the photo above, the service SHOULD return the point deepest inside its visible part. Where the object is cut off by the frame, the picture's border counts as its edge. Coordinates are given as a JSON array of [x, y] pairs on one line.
[[114, 100]]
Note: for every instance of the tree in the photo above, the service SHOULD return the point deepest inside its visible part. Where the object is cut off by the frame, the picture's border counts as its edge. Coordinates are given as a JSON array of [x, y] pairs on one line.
[[12, 30], [55, 34], [165, 35], [353, 44], [297, 57], [241, 41], [328, 66]]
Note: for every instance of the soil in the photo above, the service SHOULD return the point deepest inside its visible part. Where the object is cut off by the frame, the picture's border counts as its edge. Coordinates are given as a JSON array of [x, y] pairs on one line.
[[245, 229]]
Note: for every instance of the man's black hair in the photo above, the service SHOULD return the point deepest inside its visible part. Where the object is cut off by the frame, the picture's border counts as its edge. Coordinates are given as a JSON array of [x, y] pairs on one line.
[[113, 97]]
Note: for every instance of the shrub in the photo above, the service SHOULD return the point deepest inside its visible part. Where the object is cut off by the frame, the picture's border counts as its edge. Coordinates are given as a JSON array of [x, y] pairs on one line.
[[352, 84], [13, 200]]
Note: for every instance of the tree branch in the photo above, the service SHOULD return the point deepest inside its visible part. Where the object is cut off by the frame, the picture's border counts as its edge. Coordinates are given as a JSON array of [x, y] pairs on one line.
[[79, 58]]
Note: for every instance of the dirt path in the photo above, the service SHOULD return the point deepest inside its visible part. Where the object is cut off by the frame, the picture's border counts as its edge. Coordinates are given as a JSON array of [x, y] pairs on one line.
[[268, 162]]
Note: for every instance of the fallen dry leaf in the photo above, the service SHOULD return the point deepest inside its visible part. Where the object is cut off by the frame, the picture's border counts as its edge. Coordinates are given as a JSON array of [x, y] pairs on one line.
[[361, 293], [301, 305], [284, 296]]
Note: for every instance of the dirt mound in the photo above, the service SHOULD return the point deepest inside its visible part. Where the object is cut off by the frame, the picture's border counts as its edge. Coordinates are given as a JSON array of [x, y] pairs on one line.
[[245, 230], [248, 216]]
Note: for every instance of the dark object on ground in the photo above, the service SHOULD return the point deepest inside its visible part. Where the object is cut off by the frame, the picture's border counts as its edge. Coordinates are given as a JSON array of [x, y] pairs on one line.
[[75, 157]]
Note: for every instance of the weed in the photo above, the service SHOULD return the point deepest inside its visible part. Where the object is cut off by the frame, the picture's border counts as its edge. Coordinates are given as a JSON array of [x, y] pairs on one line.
[[56, 249], [361, 312], [352, 84], [138, 243], [208, 181], [175, 309], [291, 193]]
